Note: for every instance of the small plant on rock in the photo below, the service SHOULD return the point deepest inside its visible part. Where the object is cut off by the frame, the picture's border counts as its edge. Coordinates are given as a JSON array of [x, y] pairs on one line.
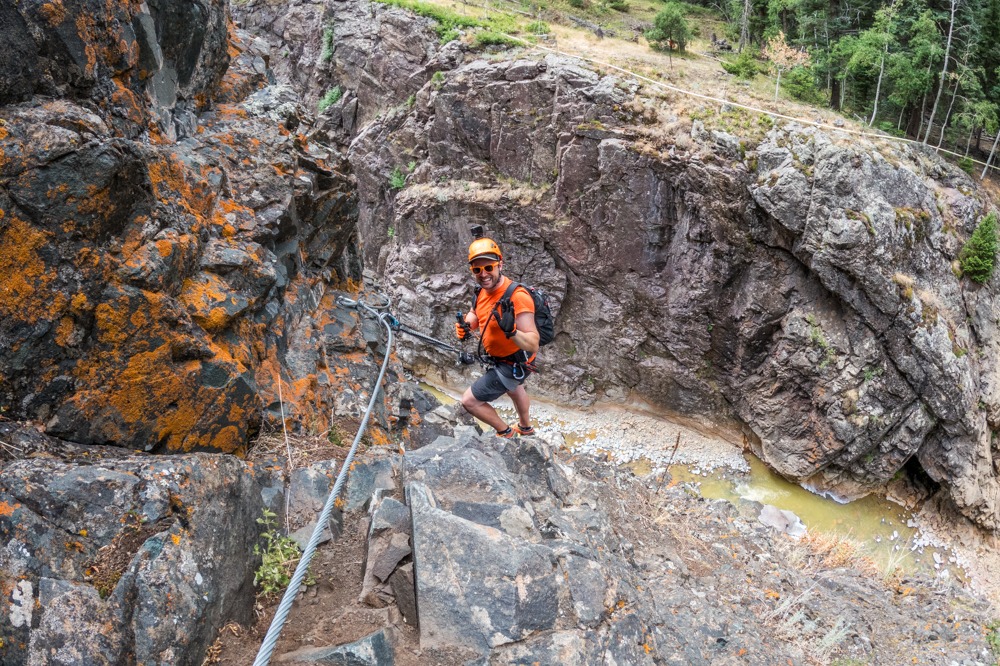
[[279, 557], [993, 637], [331, 97], [979, 254], [397, 180], [327, 54]]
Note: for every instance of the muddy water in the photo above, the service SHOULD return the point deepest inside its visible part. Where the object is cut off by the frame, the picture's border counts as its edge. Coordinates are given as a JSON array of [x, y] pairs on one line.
[[718, 469]]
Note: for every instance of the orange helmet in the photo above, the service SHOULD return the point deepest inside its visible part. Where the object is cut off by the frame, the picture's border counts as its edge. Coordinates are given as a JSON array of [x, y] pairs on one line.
[[482, 247]]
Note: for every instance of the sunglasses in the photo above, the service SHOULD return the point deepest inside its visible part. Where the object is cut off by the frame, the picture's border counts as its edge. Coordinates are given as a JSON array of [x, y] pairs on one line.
[[479, 269]]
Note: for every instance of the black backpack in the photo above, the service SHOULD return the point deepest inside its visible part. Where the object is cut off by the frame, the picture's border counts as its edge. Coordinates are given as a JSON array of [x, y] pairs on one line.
[[544, 321]]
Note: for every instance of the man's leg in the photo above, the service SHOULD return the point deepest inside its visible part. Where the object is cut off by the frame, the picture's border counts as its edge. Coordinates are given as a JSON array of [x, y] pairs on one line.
[[483, 410], [522, 404]]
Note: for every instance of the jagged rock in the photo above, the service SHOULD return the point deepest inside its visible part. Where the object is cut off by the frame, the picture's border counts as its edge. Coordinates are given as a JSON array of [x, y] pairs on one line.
[[405, 594], [512, 595], [372, 650], [367, 479], [308, 489], [388, 544], [459, 472], [805, 295], [124, 555]]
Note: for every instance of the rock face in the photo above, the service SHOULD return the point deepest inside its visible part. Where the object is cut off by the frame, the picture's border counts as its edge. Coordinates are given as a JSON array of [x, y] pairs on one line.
[[115, 558], [523, 558], [170, 250], [783, 282]]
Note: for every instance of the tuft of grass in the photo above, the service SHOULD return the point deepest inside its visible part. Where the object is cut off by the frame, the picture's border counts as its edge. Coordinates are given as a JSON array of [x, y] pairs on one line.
[[331, 97], [438, 80], [537, 28]]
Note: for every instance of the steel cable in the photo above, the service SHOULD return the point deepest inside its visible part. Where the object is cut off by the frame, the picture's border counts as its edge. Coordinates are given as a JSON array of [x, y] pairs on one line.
[[274, 631]]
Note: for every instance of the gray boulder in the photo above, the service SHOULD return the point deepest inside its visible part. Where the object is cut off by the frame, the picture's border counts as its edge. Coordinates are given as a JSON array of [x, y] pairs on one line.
[[129, 555]]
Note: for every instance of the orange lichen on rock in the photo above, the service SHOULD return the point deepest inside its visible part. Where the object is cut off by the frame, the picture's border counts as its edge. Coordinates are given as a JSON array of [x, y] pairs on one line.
[[64, 331], [204, 296], [6, 509], [169, 179], [53, 12], [27, 293]]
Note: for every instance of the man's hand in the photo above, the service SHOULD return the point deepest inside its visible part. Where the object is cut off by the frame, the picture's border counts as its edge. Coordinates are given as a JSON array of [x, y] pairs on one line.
[[461, 330], [504, 314]]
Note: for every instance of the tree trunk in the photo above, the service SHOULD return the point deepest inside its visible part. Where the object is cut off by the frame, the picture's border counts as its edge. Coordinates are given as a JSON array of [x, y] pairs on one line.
[[968, 144], [899, 123], [944, 71], [920, 127], [878, 86], [744, 26], [776, 84], [947, 116], [990, 158]]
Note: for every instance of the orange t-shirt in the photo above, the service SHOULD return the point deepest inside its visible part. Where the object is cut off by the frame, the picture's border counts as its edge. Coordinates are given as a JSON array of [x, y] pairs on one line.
[[494, 341]]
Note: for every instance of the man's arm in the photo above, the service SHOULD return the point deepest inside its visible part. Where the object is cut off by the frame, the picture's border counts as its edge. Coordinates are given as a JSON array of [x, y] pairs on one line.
[[526, 335]]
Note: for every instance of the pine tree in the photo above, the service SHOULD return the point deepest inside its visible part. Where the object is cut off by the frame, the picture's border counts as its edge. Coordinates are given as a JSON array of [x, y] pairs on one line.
[[979, 253]]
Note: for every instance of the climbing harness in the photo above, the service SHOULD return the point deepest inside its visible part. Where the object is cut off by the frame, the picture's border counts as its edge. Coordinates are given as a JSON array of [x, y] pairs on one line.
[[274, 631]]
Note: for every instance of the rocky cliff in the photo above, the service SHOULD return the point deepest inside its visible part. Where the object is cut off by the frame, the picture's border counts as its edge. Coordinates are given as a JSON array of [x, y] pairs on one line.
[[798, 284]]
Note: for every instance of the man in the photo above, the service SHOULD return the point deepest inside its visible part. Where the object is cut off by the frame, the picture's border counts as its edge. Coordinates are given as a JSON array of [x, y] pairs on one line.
[[508, 335]]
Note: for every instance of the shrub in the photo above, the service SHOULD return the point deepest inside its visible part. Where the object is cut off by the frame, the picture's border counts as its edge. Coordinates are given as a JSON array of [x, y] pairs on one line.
[[438, 80], [537, 28], [744, 66], [966, 164], [801, 84], [578, 4], [492, 38], [397, 180], [617, 5], [332, 96], [979, 254], [327, 54], [279, 557]]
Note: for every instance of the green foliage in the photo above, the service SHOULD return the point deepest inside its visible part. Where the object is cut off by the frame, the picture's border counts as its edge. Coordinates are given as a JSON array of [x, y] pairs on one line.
[[800, 83], [438, 80], [966, 164], [449, 22], [397, 180], [537, 28], [332, 96], [670, 24], [493, 38], [617, 5], [993, 637], [279, 557], [872, 372], [979, 254], [744, 66], [410, 101], [577, 4], [327, 54]]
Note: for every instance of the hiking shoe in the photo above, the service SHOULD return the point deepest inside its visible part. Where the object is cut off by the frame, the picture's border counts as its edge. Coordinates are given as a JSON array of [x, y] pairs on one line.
[[523, 431], [506, 434]]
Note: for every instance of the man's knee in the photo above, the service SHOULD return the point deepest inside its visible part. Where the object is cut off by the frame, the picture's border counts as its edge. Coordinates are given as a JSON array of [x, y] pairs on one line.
[[469, 401]]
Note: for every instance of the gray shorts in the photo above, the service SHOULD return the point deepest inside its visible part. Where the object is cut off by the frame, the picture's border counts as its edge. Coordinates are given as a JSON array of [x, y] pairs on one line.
[[498, 380]]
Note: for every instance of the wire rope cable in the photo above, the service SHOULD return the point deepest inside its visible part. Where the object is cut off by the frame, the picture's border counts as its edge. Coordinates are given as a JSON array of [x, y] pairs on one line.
[[274, 631]]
